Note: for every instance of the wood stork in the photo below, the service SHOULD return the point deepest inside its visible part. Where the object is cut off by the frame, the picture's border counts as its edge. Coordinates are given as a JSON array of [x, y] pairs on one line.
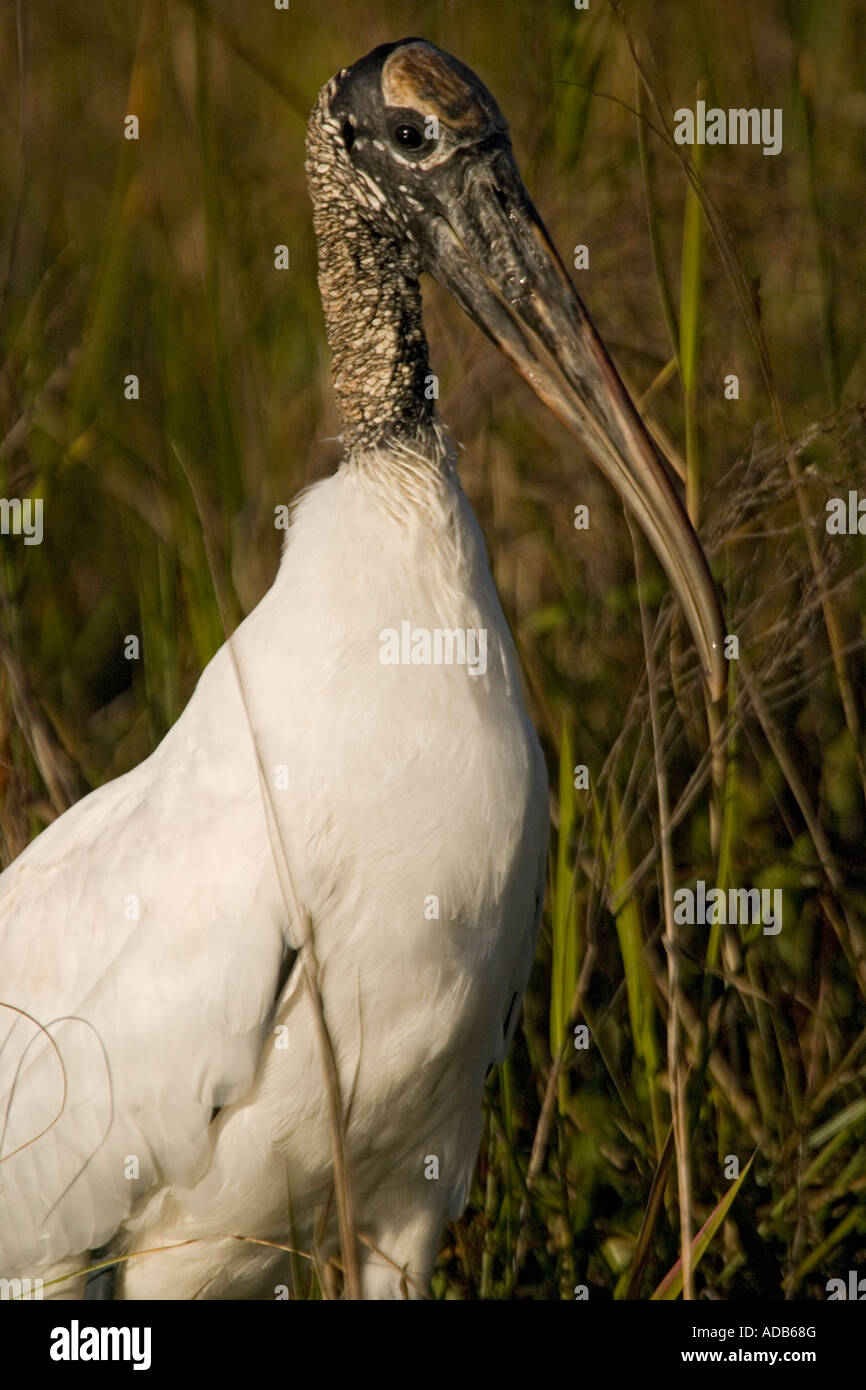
[[161, 1084]]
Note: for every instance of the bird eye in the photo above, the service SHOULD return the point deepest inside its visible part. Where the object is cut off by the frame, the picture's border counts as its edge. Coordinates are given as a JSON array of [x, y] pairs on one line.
[[348, 134], [409, 136]]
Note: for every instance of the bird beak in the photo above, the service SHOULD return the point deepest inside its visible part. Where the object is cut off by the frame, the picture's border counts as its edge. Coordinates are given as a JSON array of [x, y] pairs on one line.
[[488, 247]]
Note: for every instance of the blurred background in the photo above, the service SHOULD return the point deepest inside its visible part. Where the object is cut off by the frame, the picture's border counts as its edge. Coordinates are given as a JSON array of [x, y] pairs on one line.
[[155, 258]]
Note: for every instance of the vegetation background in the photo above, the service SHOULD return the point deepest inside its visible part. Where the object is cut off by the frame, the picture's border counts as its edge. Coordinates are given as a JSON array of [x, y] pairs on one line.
[[156, 258]]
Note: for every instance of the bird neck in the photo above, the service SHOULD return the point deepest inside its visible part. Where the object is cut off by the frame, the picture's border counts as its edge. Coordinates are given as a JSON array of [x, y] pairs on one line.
[[372, 303]]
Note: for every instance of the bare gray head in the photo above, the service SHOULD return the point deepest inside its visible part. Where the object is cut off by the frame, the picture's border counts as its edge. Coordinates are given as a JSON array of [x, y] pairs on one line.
[[376, 138], [410, 168]]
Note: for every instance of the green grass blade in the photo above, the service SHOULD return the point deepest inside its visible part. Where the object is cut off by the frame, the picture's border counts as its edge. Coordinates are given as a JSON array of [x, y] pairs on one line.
[[671, 1286]]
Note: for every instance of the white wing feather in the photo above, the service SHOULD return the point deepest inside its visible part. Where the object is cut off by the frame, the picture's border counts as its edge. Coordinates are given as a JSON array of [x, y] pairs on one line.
[[148, 917]]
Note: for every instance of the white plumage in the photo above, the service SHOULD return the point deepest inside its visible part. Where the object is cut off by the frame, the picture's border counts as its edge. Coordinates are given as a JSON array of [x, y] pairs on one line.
[[404, 782]]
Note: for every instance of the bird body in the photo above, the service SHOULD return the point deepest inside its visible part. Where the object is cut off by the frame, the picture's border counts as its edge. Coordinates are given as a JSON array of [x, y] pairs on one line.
[[404, 786], [414, 785]]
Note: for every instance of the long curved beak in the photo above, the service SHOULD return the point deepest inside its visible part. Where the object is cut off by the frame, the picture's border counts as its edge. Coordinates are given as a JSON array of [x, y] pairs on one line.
[[488, 247]]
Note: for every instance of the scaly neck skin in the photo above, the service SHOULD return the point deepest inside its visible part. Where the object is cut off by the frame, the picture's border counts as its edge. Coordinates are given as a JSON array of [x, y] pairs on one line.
[[372, 303]]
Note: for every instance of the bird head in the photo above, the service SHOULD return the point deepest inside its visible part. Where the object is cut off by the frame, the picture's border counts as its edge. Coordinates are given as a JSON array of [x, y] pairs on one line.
[[411, 140]]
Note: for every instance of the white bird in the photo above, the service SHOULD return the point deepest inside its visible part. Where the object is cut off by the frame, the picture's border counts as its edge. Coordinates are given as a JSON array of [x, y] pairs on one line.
[[161, 1073]]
